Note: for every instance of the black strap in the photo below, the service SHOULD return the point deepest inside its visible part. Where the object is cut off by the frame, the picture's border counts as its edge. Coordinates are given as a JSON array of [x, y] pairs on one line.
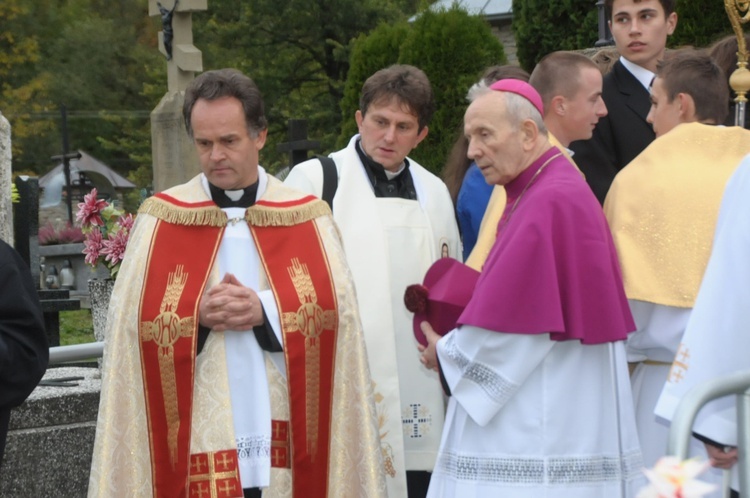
[[330, 179]]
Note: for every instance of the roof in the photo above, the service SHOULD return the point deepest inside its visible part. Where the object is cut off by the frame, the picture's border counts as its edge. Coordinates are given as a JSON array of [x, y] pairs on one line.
[[87, 164], [98, 174], [492, 10]]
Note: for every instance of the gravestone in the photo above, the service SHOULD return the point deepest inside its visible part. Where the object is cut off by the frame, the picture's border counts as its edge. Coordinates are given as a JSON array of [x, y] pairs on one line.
[[26, 223], [174, 158], [26, 235], [298, 144], [6, 203]]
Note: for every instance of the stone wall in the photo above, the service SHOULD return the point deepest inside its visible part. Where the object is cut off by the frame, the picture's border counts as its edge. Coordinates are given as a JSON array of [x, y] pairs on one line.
[[51, 437], [504, 33], [6, 206]]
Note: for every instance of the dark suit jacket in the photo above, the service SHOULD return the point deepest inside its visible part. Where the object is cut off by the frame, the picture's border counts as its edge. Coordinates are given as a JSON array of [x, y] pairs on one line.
[[618, 137], [24, 352]]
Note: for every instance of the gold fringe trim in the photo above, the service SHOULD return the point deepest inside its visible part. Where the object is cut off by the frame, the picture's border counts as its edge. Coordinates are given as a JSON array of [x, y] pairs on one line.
[[266, 216], [257, 215], [202, 216]]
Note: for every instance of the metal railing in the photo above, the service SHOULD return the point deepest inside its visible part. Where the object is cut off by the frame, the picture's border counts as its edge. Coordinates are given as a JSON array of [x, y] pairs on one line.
[[76, 352], [681, 429]]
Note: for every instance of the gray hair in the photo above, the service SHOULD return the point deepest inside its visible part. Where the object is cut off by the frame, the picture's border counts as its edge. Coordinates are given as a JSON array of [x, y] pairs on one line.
[[520, 109], [477, 90], [517, 107]]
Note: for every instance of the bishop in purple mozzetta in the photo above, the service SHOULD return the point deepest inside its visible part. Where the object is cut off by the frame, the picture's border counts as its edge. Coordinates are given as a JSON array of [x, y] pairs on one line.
[[540, 401]]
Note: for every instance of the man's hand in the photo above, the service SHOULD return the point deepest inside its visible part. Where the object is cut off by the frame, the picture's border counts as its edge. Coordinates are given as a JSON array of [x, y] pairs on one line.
[[229, 305], [722, 458], [429, 353]]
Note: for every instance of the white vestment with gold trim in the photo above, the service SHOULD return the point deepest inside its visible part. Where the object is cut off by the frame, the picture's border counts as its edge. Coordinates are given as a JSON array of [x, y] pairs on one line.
[[716, 341]]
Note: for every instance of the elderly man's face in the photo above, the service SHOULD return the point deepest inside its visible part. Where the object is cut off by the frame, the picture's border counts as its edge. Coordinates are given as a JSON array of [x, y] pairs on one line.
[[494, 144]]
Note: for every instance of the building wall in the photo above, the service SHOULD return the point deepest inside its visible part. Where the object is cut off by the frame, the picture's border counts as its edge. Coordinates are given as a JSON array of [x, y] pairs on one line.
[[504, 33]]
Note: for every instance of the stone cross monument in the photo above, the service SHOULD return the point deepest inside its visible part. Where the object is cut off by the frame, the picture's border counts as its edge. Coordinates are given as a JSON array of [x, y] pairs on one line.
[[174, 158], [6, 204]]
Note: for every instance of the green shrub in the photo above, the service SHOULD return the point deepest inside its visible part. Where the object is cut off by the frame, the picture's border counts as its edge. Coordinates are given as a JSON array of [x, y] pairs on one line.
[[544, 26], [699, 23], [370, 53]]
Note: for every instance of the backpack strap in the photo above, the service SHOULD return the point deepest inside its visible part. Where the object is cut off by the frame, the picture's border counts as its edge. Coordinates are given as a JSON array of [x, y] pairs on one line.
[[330, 180]]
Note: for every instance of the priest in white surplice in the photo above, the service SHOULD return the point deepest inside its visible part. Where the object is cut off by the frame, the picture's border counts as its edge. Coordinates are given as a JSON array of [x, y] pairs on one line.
[[396, 218], [716, 340], [540, 402]]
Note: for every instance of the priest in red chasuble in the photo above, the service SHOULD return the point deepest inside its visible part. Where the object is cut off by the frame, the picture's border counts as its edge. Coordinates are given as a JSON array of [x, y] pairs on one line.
[[234, 363]]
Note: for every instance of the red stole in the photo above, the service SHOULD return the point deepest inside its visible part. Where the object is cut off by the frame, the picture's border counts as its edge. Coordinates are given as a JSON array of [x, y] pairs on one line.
[[175, 278], [305, 296]]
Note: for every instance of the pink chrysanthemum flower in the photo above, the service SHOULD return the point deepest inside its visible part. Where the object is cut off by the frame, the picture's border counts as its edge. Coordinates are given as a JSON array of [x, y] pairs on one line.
[[114, 247], [126, 222], [89, 211], [92, 246]]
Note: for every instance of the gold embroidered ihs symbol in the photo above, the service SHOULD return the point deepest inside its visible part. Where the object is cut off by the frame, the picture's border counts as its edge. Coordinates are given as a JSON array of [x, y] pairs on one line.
[[310, 320], [165, 330]]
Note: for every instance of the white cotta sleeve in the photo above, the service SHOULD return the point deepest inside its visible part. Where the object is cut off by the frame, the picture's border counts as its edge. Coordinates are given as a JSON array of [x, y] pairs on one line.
[[484, 369]]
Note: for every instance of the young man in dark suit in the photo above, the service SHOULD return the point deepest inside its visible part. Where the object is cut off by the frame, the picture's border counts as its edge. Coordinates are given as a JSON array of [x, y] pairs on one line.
[[640, 29]]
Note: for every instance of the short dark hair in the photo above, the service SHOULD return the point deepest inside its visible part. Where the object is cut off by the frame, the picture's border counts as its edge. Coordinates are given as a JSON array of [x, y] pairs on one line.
[[559, 73], [408, 84], [667, 5], [695, 73], [219, 83]]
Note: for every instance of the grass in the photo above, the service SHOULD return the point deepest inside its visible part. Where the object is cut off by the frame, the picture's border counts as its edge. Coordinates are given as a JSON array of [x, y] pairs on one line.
[[76, 327]]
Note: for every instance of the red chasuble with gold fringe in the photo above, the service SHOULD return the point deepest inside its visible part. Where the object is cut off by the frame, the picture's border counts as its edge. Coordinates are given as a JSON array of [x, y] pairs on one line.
[[298, 272]]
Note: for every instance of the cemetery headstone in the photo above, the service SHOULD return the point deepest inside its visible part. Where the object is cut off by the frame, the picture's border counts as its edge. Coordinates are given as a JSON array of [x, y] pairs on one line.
[[6, 203]]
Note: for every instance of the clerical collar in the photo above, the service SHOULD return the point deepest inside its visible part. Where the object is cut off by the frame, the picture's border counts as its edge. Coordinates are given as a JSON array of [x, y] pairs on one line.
[[384, 183], [378, 169], [242, 198]]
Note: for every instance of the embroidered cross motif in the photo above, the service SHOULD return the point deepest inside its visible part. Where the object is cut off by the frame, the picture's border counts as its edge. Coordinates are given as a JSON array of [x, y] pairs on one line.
[[310, 320], [416, 421], [280, 444], [680, 365], [221, 477], [165, 330]]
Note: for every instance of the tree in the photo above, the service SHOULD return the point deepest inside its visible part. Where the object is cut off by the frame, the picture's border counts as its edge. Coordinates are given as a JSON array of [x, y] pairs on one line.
[[452, 47], [92, 56], [543, 26], [369, 53], [296, 51], [22, 90], [699, 23]]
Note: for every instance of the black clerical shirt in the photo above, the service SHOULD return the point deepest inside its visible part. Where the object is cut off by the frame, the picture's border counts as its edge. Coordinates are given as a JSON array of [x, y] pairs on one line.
[[402, 185]]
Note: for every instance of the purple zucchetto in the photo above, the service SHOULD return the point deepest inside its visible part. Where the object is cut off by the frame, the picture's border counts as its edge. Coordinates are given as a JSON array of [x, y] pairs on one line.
[[520, 88]]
